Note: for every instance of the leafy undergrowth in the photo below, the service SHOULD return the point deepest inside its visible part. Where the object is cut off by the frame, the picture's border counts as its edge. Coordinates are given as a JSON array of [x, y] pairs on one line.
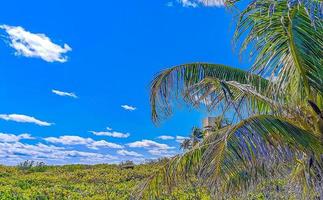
[[79, 182], [96, 182]]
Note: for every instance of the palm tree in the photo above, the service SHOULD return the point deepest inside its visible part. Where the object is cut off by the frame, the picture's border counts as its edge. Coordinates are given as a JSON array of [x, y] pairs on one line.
[[186, 144], [276, 122], [195, 137]]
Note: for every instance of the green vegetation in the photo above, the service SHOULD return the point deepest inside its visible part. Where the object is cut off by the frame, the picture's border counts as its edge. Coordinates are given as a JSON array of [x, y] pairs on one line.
[[36, 181], [275, 110]]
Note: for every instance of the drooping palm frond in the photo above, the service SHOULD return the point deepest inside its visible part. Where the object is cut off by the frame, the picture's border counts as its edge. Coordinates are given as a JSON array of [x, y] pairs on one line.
[[242, 97], [239, 156], [313, 7], [285, 45], [174, 82], [246, 99]]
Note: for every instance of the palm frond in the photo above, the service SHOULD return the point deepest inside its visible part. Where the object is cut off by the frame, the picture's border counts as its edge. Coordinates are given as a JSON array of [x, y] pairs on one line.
[[172, 83], [238, 157], [285, 45], [244, 98]]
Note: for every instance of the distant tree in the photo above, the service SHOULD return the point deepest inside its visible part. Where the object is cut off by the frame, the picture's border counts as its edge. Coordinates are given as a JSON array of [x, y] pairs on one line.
[[129, 164], [186, 144]]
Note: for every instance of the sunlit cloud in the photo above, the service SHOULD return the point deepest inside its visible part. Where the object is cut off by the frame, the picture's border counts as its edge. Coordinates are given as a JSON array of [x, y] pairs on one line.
[[8, 137], [69, 140], [207, 3], [111, 133], [24, 119], [149, 144], [77, 140], [166, 137], [180, 139], [104, 144], [188, 3], [129, 108], [17, 152], [35, 44], [67, 94], [161, 152], [128, 153]]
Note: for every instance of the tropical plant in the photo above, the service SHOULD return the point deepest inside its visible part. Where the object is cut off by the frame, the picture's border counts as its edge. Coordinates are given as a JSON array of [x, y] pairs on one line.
[[198, 134], [275, 109], [186, 144], [195, 137]]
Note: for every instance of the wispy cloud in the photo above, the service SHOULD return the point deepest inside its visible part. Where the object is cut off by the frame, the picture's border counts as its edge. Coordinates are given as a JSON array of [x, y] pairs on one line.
[[208, 3], [77, 140], [69, 140], [149, 144], [67, 94], [188, 3], [24, 119], [7, 137], [104, 144], [17, 152], [154, 148], [129, 108], [161, 152], [35, 44], [128, 153], [166, 137], [111, 134], [180, 139]]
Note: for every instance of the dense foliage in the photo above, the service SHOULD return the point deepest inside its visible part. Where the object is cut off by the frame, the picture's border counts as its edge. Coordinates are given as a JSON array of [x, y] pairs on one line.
[[275, 110], [37, 181], [30, 180]]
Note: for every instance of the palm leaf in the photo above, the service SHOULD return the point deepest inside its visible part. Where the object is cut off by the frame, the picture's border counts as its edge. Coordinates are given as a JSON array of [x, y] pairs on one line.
[[240, 156], [172, 83], [244, 98], [285, 45]]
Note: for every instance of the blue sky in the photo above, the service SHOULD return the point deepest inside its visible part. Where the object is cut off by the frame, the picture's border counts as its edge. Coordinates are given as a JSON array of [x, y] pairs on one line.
[[78, 91]]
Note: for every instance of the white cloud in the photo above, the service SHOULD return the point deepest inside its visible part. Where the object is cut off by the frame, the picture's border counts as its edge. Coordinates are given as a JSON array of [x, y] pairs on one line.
[[180, 139], [67, 94], [208, 3], [130, 108], [70, 140], [109, 129], [24, 119], [104, 144], [35, 45], [188, 3], [7, 137], [128, 153], [77, 140], [149, 144], [166, 137], [39, 150], [111, 134], [17, 152], [161, 152]]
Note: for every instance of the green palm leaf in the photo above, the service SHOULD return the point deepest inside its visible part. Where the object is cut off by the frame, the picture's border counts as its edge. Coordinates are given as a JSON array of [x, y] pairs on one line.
[[174, 82], [240, 156], [285, 44]]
